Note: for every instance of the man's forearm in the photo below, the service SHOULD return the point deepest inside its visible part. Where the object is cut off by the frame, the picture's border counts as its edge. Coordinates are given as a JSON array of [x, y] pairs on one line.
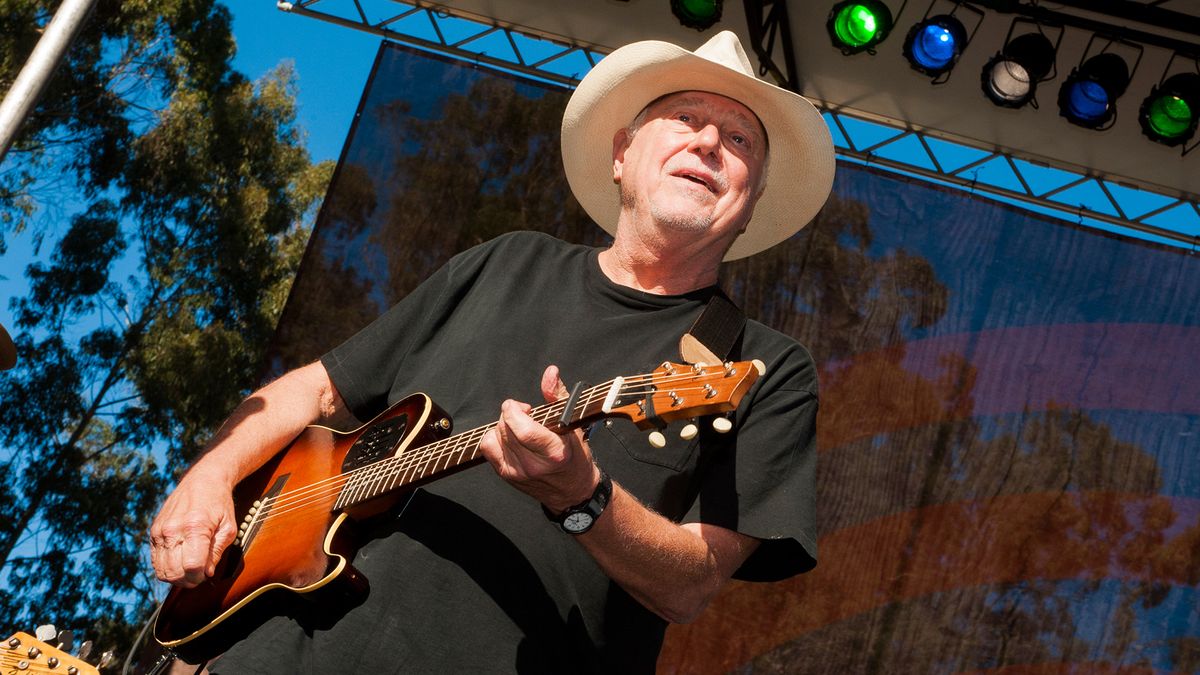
[[197, 522], [269, 419], [673, 570]]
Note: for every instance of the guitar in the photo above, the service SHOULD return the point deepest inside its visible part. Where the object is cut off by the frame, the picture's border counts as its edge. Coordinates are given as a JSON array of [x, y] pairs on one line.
[[298, 510], [24, 653]]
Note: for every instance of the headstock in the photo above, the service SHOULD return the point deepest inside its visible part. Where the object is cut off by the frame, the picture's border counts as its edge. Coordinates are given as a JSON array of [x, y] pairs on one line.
[[679, 391], [24, 653]]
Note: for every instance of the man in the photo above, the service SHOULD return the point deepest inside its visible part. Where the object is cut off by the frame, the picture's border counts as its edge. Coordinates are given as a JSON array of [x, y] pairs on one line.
[[472, 577]]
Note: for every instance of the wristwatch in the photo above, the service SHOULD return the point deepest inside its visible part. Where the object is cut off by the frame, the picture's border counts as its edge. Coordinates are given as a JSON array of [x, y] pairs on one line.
[[580, 518]]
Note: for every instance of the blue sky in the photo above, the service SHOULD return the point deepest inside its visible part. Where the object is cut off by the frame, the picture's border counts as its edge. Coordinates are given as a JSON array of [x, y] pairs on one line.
[[332, 64]]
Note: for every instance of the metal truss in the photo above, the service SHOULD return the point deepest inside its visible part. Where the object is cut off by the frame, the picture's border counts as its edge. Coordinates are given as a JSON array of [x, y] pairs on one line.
[[1089, 198], [470, 38], [1071, 193]]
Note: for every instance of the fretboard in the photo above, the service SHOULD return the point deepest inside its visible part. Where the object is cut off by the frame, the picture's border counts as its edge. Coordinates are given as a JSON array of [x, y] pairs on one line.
[[432, 461]]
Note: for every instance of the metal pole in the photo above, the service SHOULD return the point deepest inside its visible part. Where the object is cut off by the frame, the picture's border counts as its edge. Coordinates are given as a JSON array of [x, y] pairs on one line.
[[29, 84]]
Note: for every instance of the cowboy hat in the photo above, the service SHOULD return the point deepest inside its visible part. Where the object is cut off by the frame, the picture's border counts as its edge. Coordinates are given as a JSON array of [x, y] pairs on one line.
[[8, 351], [800, 174]]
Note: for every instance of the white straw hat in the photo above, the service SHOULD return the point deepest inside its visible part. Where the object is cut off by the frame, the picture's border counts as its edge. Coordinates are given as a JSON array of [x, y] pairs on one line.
[[800, 174]]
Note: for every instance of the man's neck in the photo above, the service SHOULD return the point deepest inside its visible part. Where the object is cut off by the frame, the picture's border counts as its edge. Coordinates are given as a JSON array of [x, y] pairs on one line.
[[661, 274]]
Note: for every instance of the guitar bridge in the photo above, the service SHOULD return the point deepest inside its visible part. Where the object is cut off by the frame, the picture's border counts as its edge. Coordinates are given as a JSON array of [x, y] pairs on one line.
[[258, 512]]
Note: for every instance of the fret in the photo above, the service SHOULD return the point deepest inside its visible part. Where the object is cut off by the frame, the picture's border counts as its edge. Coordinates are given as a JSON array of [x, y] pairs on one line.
[[630, 397]]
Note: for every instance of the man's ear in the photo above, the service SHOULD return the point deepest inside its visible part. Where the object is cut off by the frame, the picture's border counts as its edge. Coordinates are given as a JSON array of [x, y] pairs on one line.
[[620, 144]]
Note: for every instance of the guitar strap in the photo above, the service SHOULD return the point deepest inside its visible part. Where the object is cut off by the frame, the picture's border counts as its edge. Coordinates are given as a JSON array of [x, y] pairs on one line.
[[712, 337]]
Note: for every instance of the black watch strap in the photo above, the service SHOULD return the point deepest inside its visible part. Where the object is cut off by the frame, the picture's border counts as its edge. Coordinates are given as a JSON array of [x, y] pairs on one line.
[[580, 518]]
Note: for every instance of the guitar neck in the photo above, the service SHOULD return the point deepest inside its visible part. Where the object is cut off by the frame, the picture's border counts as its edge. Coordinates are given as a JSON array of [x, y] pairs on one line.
[[428, 462]]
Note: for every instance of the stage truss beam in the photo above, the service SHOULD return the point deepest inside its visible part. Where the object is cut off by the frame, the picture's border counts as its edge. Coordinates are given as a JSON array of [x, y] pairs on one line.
[[420, 26]]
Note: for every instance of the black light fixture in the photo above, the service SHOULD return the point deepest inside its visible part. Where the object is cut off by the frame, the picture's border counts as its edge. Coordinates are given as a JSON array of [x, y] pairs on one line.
[[934, 44], [1171, 113], [698, 14], [1010, 78], [1088, 97]]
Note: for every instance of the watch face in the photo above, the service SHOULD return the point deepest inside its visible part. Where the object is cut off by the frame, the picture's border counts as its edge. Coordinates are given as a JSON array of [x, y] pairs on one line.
[[577, 522]]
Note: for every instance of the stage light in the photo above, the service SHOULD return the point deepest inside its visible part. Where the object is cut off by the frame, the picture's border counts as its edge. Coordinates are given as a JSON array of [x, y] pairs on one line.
[[1011, 77], [1169, 114], [934, 45], [698, 14], [1088, 97], [858, 25]]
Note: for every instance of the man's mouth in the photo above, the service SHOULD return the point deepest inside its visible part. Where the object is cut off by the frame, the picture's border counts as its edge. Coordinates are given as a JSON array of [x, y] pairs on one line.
[[708, 183]]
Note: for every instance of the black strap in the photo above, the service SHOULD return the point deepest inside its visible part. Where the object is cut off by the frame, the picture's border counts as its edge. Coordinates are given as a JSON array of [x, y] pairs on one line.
[[717, 329]]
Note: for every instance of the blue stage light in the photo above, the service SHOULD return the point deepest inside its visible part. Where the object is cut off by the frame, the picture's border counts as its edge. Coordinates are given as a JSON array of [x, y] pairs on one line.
[[1088, 96], [934, 45], [1088, 101]]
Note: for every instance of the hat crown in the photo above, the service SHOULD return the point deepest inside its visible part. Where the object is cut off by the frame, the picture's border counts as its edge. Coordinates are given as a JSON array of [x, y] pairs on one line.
[[725, 49], [625, 81]]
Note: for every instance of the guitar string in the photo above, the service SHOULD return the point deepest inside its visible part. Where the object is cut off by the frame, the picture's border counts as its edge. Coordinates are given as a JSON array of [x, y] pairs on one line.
[[380, 477], [413, 457], [397, 469]]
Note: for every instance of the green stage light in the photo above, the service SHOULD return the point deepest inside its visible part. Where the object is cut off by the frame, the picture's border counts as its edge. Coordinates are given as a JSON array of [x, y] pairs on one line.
[[1170, 113], [858, 25], [698, 14]]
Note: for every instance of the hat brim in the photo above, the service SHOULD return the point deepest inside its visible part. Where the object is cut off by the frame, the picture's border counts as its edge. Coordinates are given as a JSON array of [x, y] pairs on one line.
[[800, 174]]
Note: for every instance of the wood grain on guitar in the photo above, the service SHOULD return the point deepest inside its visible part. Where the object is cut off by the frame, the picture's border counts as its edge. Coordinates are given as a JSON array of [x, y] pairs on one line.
[[298, 510]]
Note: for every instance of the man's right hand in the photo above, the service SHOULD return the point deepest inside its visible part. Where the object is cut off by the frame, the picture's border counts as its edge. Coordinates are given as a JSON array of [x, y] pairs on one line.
[[193, 528], [197, 522]]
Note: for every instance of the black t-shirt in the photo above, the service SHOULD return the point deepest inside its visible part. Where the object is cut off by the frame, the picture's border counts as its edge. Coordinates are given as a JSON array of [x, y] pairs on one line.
[[471, 576]]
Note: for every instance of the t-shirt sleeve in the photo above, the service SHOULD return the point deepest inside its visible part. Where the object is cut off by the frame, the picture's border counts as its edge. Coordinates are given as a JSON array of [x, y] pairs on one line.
[[764, 485], [364, 367]]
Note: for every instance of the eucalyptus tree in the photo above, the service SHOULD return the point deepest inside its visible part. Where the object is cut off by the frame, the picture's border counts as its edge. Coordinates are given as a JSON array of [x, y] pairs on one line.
[[171, 197]]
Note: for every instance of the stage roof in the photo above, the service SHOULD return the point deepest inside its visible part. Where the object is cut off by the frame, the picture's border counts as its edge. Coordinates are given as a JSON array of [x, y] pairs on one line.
[[882, 87]]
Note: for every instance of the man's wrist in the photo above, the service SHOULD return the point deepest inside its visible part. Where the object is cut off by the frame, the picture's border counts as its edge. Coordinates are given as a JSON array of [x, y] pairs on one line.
[[580, 517]]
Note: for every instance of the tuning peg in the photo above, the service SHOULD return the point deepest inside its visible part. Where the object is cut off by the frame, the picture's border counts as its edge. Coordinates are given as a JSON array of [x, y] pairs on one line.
[[85, 649], [66, 640], [689, 432], [105, 659], [760, 367], [722, 425], [45, 632], [657, 439]]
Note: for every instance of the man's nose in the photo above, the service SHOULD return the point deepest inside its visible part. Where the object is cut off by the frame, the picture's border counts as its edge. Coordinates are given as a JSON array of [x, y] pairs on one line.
[[706, 140]]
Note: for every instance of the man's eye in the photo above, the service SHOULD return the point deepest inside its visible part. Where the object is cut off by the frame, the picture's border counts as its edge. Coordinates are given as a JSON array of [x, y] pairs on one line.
[[740, 139], [684, 117]]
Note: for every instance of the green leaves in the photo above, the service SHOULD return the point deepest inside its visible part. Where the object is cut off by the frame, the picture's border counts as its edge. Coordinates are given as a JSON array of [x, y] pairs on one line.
[[79, 268], [188, 195]]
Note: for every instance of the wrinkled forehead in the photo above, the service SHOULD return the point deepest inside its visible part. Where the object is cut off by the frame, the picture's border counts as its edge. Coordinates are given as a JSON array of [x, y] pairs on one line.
[[740, 111]]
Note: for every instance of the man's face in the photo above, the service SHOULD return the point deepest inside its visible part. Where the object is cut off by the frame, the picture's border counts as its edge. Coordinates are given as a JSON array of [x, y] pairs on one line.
[[693, 166]]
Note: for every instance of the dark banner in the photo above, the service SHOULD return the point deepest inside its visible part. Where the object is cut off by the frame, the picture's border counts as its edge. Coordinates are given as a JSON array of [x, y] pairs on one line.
[[1009, 474]]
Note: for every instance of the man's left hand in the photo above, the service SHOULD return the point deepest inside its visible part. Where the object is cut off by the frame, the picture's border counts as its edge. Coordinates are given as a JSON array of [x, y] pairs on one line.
[[557, 470]]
